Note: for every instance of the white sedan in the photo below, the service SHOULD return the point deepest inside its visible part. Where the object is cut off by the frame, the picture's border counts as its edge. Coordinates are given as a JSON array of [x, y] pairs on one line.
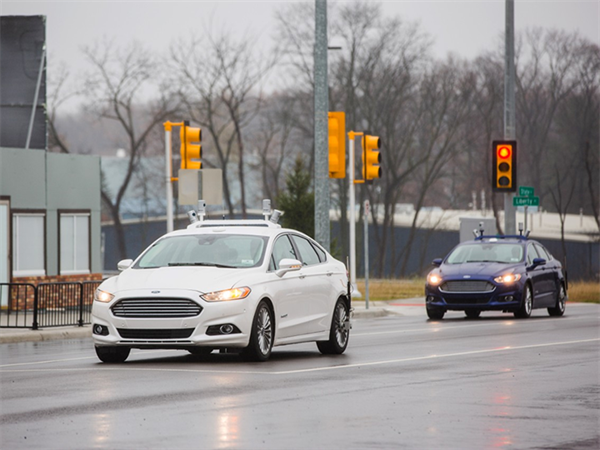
[[237, 285]]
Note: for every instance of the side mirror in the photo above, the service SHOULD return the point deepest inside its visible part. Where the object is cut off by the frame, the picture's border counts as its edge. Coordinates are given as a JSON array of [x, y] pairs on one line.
[[437, 262], [288, 265], [537, 262], [124, 264]]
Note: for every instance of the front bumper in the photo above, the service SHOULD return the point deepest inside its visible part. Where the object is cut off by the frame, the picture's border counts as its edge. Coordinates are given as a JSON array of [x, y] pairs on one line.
[[501, 298], [174, 332]]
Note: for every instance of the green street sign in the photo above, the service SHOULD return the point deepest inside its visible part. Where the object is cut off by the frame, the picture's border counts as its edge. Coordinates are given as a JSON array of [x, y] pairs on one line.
[[526, 201], [525, 191]]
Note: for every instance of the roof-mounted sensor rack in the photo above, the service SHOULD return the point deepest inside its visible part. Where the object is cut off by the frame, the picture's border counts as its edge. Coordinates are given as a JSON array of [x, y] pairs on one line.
[[271, 218]]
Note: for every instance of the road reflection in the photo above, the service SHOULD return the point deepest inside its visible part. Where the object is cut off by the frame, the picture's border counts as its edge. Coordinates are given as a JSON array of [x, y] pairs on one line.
[[501, 407], [227, 413], [102, 429]]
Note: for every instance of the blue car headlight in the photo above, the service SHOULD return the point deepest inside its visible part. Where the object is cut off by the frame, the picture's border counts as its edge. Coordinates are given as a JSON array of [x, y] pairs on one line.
[[508, 278]]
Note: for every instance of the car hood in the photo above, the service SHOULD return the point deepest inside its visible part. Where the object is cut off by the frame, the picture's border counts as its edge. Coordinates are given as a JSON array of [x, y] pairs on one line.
[[201, 279], [477, 269]]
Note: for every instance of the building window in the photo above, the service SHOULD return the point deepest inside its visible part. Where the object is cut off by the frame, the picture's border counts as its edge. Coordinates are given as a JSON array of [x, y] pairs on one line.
[[74, 243], [28, 244]]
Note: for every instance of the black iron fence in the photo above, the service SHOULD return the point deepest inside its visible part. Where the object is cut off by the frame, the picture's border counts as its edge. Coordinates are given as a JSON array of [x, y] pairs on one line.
[[25, 305]]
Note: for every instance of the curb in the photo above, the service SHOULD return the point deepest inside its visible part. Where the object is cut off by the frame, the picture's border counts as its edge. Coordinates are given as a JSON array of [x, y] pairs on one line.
[[27, 335]]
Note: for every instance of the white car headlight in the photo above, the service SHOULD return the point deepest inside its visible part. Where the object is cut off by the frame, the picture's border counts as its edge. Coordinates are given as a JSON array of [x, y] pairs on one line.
[[103, 296], [508, 278], [226, 295]]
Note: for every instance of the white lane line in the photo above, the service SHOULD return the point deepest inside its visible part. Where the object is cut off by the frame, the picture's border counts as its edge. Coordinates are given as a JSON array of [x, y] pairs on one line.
[[436, 327], [50, 361], [126, 367], [448, 355]]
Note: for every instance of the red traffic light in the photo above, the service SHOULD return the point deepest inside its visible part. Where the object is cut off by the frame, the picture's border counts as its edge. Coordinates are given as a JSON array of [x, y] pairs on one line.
[[504, 152]]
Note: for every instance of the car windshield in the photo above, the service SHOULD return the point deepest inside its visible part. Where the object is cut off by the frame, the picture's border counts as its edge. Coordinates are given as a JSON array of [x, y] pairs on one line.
[[223, 250], [497, 253]]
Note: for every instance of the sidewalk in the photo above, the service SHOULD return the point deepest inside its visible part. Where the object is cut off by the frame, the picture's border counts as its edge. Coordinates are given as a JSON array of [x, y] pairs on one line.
[[376, 309]]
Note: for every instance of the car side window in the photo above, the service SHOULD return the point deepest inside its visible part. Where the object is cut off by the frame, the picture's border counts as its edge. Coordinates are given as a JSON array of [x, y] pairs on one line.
[[320, 252], [283, 248], [531, 254], [542, 252], [307, 252]]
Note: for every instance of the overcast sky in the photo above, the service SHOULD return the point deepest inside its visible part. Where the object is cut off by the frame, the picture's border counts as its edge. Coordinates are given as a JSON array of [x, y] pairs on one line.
[[465, 28]]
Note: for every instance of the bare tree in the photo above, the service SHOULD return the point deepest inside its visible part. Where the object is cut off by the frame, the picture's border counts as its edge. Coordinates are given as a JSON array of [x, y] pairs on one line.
[[60, 91], [221, 89], [577, 128], [544, 80], [275, 138], [445, 96], [114, 90]]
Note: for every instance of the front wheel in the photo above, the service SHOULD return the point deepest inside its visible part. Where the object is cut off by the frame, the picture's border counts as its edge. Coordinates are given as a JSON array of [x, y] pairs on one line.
[[435, 313], [524, 311], [339, 334], [112, 354], [261, 336], [561, 299]]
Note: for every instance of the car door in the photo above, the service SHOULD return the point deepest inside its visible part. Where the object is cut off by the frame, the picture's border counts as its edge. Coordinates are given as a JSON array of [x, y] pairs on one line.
[[316, 286], [287, 291], [537, 276], [550, 277]]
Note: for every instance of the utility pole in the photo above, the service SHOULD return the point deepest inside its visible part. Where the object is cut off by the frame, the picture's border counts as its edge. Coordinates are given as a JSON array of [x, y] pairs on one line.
[[321, 124], [509, 106]]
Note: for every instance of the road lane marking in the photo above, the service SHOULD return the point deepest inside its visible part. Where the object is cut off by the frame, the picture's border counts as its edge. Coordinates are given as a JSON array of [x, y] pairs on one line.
[[448, 355], [440, 326], [433, 327], [127, 367], [50, 361]]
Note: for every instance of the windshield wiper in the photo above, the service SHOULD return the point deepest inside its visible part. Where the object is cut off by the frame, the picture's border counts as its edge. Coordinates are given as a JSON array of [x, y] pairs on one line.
[[481, 260], [205, 264], [191, 264]]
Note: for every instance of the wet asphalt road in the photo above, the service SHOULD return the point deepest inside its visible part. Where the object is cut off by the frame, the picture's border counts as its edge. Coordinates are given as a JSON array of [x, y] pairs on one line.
[[404, 382]]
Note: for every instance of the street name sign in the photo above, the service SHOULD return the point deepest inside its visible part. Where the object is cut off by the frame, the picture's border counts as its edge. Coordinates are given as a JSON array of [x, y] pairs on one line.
[[526, 201], [525, 191]]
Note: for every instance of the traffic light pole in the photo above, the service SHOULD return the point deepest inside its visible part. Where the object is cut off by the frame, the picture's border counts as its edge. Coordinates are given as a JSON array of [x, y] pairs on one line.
[[168, 172], [352, 215], [321, 127], [509, 106]]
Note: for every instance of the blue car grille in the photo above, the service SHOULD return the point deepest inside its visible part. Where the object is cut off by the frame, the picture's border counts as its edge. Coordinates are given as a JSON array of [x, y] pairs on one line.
[[467, 301], [467, 286]]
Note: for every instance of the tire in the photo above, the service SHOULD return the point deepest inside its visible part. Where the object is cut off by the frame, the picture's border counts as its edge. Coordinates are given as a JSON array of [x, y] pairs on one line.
[[261, 335], [524, 312], [338, 334], [112, 354], [561, 299], [435, 313], [472, 313]]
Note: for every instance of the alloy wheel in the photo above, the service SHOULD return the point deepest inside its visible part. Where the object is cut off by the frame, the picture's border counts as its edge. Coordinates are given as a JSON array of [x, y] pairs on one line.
[[264, 330], [341, 334]]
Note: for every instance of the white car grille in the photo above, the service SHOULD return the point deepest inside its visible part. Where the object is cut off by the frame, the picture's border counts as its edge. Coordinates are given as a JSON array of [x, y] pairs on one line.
[[156, 308]]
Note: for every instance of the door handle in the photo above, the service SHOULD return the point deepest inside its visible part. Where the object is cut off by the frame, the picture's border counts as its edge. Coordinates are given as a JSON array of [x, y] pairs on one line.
[[329, 274], [302, 277]]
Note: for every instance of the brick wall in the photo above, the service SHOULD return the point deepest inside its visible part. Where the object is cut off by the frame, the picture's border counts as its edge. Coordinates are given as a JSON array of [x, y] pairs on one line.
[[58, 296]]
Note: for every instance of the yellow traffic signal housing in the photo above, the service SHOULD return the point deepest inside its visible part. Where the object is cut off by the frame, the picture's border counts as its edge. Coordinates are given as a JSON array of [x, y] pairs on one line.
[[337, 144], [371, 157], [191, 147], [504, 177]]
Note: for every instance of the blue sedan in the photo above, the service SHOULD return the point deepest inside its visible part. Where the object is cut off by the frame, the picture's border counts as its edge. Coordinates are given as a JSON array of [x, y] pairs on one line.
[[511, 274]]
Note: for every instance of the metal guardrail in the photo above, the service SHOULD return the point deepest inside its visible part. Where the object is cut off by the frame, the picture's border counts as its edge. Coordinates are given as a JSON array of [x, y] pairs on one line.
[[25, 305]]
